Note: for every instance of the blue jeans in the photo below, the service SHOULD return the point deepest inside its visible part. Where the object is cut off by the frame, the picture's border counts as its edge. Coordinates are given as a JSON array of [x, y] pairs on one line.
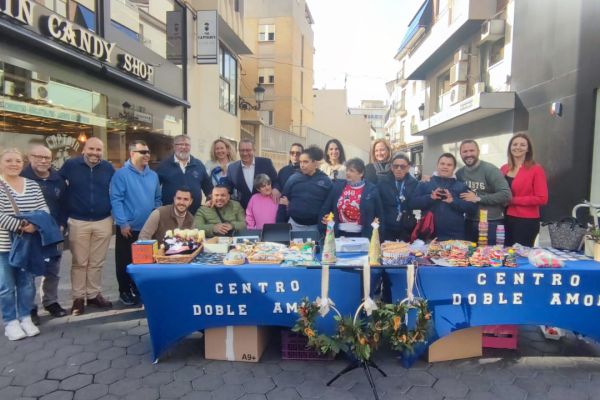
[[17, 290]]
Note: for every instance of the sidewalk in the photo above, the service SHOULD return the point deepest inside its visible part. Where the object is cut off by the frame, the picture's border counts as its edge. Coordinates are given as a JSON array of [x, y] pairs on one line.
[[106, 355]]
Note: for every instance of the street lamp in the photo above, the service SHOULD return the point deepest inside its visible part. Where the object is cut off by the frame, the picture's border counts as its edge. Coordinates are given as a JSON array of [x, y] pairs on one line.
[[259, 97]]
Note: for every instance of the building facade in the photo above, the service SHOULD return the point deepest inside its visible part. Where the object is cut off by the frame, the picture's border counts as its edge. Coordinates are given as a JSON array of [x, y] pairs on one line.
[[70, 70], [489, 72], [374, 112]]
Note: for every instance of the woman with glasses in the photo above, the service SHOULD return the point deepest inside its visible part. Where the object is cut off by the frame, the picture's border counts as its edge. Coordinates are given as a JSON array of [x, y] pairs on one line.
[[221, 155], [293, 166], [353, 202], [441, 196], [381, 153], [396, 188], [334, 166], [305, 193]]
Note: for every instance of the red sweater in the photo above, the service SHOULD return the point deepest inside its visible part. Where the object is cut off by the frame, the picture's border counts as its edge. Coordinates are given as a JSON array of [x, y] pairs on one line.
[[529, 191]]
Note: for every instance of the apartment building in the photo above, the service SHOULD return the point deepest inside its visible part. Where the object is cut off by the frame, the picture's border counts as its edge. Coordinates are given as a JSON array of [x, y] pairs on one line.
[[494, 67], [374, 112]]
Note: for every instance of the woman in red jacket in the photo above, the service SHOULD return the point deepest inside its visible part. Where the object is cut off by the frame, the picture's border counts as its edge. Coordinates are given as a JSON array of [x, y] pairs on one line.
[[527, 182]]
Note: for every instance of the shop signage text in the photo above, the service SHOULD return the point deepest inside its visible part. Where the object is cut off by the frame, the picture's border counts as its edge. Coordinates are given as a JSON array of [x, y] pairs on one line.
[[21, 10], [135, 66]]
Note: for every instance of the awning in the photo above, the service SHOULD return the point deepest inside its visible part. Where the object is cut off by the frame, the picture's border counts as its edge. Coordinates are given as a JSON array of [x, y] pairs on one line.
[[421, 20]]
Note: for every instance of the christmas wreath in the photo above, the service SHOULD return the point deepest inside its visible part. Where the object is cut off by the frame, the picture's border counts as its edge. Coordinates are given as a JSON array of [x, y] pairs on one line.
[[396, 330]]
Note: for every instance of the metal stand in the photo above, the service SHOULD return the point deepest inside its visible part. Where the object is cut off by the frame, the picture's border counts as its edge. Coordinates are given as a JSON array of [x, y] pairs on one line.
[[366, 366]]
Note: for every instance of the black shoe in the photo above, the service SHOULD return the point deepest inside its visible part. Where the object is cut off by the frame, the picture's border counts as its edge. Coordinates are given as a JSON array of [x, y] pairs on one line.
[[55, 310], [126, 298], [35, 318]]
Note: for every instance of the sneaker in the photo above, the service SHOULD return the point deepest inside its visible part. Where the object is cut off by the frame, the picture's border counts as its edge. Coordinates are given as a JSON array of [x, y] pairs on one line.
[[78, 307], [137, 299], [29, 328], [99, 301], [126, 298], [13, 331], [55, 310], [35, 317]]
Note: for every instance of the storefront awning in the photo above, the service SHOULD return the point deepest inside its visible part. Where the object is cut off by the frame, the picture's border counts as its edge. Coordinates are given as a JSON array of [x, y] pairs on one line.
[[417, 26]]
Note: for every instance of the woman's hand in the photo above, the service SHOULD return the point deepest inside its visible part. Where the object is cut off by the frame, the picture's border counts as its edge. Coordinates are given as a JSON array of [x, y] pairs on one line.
[[284, 201], [28, 228]]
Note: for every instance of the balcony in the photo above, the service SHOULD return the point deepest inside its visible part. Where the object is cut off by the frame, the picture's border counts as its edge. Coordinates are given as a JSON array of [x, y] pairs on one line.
[[474, 108], [460, 21]]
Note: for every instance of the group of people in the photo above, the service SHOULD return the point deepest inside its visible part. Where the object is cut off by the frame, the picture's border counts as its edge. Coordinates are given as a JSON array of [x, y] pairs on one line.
[[87, 198]]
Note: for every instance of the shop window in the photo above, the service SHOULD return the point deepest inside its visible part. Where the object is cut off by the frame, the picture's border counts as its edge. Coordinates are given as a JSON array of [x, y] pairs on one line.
[[228, 81], [266, 33], [58, 6], [497, 52], [266, 75], [443, 86], [130, 33], [267, 117]]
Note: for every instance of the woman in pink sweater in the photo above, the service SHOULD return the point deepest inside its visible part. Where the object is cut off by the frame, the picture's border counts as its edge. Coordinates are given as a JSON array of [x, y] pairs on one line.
[[261, 207], [529, 188]]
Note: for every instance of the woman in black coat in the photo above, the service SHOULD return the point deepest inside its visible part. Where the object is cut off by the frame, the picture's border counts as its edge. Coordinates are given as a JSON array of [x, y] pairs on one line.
[[396, 189], [381, 154], [353, 202]]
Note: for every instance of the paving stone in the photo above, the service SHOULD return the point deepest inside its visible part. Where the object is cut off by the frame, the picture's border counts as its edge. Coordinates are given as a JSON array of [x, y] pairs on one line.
[[253, 396], [109, 376], [111, 354], [58, 395], [5, 381], [69, 350], [170, 365], [532, 385], [476, 383], [94, 367], [11, 392], [561, 393], [63, 372], [86, 339], [124, 386], [237, 377], [126, 341], [208, 382], [259, 385], [127, 361], [443, 370], [76, 382], [217, 367], [109, 397], [391, 384], [419, 378], [144, 394], [140, 370], [98, 346], [138, 330], [26, 377], [40, 388], [423, 393], [138, 349], [508, 391], [58, 343], [229, 392], [477, 395], [82, 358], [197, 395], [40, 355], [51, 363], [269, 370], [157, 379], [333, 393], [450, 388], [91, 392], [283, 394], [292, 365], [188, 373], [362, 390], [175, 389]]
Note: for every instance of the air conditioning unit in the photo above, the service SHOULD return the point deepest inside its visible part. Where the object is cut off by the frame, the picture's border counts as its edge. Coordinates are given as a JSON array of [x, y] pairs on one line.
[[492, 30], [37, 90], [457, 93], [478, 87], [458, 72], [462, 54]]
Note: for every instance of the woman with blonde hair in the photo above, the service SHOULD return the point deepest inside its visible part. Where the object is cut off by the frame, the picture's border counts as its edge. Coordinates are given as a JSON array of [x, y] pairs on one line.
[[221, 155], [381, 154], [17, 288]]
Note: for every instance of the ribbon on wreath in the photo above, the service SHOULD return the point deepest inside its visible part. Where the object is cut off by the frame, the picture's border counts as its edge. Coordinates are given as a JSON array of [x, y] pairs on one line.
[[410, 282], [369, 305], [323, 301]]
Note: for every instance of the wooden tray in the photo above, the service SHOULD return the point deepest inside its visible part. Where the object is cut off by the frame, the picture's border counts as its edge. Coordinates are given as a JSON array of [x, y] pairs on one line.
[[161, 258], [278, 261]]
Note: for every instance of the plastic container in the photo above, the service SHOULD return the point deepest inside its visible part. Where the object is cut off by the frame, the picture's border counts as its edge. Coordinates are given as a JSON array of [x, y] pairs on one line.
[[500, 336], [294, 347]]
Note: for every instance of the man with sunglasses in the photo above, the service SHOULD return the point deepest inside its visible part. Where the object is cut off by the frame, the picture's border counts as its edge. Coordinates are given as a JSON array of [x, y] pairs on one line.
[[396, 189], [294, 165], [134, 194]]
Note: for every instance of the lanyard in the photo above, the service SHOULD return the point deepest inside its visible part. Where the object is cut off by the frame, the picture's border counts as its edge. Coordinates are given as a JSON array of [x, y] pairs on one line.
[[400, 199]]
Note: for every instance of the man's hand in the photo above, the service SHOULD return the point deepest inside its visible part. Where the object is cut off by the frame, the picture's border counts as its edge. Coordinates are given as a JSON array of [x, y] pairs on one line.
[[126, 231], [436, 194], [276, 195], [447, 197], [28, 228], [470, 196], [222, 229]]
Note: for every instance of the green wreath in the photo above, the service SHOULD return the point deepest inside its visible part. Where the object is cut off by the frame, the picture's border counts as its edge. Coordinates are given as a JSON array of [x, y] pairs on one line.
[[396, 331]]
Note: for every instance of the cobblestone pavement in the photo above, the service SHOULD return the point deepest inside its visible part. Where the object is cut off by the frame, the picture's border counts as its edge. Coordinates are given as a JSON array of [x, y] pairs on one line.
[[106, 355]]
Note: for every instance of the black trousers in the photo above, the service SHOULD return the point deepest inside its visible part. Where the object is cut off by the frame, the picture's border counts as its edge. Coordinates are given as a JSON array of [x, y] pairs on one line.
[[521, 230], [122, 259]]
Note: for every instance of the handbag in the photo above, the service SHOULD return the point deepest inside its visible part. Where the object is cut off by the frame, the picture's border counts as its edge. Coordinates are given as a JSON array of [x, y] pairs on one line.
[[566, 234], [15, 256], [425, 229], [408, 220]]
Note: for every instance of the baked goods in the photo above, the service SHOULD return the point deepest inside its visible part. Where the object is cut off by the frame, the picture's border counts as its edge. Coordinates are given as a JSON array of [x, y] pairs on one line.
[[234, 257]]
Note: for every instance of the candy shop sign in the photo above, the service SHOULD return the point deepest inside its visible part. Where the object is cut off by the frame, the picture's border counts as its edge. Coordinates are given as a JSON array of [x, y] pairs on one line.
[[503, 288], [224, 290]]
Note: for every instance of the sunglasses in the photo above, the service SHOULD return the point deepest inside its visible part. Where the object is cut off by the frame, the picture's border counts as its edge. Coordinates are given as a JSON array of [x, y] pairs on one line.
[[142, 152], [295, 153], [400, 166]]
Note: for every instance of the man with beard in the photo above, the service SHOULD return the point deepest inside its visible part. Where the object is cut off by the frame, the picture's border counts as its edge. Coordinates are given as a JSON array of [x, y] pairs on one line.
[[224, 217], [294, 165], [169, 217], [488, 189], [182, 169]]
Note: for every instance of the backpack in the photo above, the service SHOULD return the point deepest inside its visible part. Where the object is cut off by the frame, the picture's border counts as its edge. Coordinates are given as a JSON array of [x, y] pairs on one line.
[[425, 229]]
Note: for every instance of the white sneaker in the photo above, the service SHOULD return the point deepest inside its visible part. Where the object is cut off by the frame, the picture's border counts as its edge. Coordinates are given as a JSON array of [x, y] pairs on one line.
[[13, 330], [28, 326]]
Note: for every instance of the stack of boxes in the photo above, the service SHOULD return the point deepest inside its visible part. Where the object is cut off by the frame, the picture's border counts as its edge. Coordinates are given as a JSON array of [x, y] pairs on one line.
[[483, 227]]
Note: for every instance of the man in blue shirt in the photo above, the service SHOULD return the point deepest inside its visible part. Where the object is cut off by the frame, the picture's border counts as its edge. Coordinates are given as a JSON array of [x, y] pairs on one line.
[[90, 222], [134, 194], [182, 169]]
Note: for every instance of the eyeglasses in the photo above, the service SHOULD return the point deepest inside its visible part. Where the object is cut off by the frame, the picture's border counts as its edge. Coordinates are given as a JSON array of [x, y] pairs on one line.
[[400, 166], [183, 144], [142, 152], [295, 153], [43, 158]]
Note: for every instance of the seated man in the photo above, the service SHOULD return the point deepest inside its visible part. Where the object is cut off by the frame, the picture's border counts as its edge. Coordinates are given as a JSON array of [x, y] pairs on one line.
[[169, 217], [224, 217]]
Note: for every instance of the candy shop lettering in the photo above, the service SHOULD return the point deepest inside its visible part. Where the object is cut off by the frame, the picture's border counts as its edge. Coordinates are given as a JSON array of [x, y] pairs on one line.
[[248, 288]]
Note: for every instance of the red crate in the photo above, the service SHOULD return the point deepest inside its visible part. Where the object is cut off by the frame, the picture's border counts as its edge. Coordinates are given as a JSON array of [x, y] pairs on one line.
[[500, 336], [294, 347]]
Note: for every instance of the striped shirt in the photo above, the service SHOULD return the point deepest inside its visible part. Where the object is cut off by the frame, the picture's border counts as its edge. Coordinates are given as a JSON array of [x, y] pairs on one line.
[[31, 199]]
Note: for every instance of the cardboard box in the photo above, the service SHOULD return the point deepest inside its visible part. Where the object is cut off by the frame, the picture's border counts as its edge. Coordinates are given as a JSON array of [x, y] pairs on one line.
[[143, 251], [464, 343], [236, 343], [217, 245]]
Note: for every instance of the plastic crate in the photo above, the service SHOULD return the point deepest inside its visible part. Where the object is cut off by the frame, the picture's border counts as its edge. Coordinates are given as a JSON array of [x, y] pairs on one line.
[[500, 336], [294, 347]]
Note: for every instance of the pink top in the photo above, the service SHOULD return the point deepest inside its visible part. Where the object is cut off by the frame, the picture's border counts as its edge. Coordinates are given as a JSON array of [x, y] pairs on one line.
[[261, 210]]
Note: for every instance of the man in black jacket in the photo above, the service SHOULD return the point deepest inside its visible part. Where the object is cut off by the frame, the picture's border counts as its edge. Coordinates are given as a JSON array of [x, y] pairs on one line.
[[241, 173]]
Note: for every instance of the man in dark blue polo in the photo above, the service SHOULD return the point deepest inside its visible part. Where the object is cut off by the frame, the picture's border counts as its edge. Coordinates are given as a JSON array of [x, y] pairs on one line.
[[90, 222], [182, 169]]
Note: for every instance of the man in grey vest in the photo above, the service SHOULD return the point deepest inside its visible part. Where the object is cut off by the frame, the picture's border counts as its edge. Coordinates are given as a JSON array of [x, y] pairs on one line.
[[171, 216]]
